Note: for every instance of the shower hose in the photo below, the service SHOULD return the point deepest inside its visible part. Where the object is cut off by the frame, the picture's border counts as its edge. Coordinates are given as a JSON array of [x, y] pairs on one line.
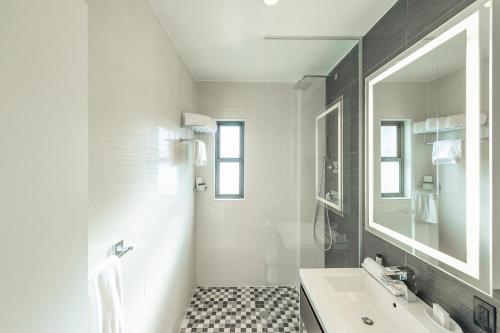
[[328, 235]]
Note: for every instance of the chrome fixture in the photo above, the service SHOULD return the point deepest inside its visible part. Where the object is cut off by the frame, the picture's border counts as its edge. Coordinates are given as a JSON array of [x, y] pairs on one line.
[[303, 84], [367, 321], [402, 278], [119, 250]]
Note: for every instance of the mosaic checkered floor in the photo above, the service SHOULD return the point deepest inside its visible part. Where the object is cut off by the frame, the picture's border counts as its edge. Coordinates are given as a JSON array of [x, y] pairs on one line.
[[243, 310]]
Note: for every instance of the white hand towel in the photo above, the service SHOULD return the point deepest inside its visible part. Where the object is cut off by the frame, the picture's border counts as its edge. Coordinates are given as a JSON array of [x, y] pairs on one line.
[[425, 207], [94, 306], [109, 284], [200, 153], [447, 152]]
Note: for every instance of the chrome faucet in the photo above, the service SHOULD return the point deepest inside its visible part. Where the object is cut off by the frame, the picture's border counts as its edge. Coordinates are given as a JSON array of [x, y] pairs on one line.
[[398, 277]]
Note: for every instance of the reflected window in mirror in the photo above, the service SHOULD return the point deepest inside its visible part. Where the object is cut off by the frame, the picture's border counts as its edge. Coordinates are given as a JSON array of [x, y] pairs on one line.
[[392, 159]]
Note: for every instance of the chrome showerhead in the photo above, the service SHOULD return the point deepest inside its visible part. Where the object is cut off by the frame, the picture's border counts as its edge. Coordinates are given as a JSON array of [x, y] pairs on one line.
[[303, 84]]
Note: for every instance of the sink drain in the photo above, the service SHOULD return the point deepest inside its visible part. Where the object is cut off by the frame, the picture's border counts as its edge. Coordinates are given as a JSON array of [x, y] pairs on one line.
[[367, 321], [264, 315]]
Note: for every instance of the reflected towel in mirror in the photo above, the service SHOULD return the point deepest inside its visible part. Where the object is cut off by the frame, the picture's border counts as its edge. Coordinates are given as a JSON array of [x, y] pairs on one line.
[[447, 152], [425, 207]]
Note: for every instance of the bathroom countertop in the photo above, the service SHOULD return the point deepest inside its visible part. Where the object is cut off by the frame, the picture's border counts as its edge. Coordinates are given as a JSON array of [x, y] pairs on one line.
[[341, 297]]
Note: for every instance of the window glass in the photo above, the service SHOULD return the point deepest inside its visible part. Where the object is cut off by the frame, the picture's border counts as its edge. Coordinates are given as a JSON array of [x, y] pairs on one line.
[[229, 142], [389, 141], [229, 159], [390, 177]]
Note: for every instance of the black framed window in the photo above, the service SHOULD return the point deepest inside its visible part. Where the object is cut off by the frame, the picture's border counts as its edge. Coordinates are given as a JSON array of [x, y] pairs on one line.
[[229, 159], [392, 158]]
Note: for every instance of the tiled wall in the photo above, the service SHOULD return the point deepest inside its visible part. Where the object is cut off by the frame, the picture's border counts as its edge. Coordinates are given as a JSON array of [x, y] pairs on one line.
[[405, 23], [141, 178], [252, 241], [43, 145], [343, 81]]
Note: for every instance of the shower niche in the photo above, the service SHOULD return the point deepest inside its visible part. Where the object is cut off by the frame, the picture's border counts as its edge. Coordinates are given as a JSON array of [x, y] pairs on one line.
[[329, 166]]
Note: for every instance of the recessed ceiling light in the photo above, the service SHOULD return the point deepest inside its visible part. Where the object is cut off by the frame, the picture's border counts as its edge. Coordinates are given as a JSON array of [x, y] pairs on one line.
[[270, 2]]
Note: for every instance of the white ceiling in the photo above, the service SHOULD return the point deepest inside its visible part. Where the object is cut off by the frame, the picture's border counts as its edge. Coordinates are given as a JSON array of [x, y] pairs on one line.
[[222, 40]]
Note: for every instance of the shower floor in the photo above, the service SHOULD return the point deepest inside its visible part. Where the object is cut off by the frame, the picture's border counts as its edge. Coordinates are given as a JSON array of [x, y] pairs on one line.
[[243, 309]]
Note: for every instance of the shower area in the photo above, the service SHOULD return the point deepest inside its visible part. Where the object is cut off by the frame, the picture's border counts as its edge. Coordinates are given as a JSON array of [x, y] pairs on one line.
[[249, 251]]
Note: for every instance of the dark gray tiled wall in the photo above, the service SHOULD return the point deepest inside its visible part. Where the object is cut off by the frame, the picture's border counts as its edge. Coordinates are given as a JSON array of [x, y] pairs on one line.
[[346, 84], [407, 22], [403, 25]]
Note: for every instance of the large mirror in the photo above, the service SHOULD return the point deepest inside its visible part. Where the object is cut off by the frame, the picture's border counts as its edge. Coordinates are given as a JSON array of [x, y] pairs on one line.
[[329, 157], [428, 149]]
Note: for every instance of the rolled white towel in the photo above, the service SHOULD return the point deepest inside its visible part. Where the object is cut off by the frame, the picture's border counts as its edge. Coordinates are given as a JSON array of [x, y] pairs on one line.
[[456, 121], [435, 124], [419, 127], [200, 122]]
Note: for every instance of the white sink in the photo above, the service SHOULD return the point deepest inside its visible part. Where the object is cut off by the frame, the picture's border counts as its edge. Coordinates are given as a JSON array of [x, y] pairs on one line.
[[341, 297]]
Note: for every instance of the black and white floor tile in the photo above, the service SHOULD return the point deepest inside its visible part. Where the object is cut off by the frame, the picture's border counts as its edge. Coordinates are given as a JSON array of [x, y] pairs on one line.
[[243, 310]]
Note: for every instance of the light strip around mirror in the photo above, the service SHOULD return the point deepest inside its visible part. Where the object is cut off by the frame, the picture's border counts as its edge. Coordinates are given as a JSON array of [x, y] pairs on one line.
[[338, 105], [471, 26]]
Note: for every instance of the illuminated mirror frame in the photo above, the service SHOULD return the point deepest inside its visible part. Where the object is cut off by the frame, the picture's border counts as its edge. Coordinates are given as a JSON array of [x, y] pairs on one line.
[[336, 106], [470, 26]]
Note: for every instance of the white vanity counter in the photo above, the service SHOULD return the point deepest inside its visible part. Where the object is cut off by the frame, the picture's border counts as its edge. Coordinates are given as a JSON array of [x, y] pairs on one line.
[[341, 297]]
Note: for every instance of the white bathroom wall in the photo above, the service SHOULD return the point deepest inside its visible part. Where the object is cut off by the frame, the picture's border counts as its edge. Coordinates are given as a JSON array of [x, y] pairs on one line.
[[252, 241], [43, 168], [141, 180]]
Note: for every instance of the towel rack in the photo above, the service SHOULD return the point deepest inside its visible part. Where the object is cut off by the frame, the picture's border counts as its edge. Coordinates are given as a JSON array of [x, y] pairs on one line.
[[119, 250]]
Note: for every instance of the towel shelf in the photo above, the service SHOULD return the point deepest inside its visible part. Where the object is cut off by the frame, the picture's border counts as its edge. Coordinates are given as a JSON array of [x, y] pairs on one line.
[[119, 250]]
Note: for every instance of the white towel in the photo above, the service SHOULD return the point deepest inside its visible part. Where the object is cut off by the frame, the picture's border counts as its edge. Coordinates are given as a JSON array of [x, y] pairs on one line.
[[200, 123], [94, 306], [459, 120], [200, 153], [456, 121], [435, 124], [419, 127], [109, 312], [425, 207], [447, 152]]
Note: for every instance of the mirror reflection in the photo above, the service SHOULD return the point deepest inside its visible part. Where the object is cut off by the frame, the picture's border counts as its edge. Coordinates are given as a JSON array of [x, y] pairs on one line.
[[429, 155]]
